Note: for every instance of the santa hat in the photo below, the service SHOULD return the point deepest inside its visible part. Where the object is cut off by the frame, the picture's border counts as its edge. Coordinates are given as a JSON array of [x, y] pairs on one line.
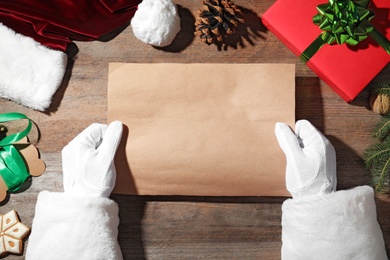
[[35, 37]]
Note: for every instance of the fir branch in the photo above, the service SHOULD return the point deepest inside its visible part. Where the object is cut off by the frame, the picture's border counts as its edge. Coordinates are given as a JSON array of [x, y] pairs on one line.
[[381, 88], [377, 154], [377, 157], [383, 176], [382, 129]]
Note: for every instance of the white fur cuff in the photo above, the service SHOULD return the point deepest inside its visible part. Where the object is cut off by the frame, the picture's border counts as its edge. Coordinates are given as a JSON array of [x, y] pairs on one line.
[[30, 73], [74, 227], [341, 225]]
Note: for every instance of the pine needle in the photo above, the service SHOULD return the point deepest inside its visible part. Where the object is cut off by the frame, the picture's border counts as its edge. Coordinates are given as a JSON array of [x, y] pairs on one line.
[[383, 176], [382, 129], [377, 154], [377, 157], [381, 88]]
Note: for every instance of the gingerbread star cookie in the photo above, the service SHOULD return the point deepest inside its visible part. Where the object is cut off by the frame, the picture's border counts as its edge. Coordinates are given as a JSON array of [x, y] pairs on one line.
[[12, 232]]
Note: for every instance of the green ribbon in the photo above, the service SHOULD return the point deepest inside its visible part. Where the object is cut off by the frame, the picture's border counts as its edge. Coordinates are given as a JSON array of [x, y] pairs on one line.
[[344, 21], [12, 166]]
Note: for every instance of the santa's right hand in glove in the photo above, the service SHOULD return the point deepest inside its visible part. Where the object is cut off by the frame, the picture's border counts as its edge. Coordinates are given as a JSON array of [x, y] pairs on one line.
[[320, 222]]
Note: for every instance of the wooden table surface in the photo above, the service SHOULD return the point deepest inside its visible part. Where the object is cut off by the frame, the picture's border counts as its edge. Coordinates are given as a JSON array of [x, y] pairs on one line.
[[196, 227]]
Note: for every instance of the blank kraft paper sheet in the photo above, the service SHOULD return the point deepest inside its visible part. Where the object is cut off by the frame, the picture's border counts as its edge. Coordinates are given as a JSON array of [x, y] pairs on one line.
[[201, 129]]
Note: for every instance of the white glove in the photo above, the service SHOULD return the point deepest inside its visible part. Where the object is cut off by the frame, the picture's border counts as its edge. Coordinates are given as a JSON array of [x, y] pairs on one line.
[[88, 160], [82, 222], [311, 160], [320, 223]]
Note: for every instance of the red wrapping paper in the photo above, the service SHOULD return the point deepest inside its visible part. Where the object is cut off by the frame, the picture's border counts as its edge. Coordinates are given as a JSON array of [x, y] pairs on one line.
[[56, 23], [346, 69]]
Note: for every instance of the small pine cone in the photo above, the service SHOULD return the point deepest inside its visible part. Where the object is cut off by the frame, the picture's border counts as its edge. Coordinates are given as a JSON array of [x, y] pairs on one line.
[[217, 20], [380, 103]]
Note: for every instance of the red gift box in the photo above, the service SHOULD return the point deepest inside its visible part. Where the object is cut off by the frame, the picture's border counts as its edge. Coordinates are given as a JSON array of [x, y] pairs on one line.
[[346, 69]]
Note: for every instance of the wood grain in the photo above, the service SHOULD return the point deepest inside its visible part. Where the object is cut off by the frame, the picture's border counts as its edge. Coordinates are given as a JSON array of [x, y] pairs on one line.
[[196, 227]]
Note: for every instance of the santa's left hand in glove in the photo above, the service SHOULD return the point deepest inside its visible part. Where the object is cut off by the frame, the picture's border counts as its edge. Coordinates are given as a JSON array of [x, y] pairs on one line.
[[81, 222], [87, 161]]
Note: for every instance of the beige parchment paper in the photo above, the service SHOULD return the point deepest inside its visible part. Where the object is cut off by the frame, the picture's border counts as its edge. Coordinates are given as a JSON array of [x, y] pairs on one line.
[[201, 129]]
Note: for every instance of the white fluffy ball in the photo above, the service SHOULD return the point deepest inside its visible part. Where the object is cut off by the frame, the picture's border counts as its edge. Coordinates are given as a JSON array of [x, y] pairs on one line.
[[156, 22]]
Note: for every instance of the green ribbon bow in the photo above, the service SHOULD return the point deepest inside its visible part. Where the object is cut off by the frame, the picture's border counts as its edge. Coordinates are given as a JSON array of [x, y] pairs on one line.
[[12, 166], [344, 21]]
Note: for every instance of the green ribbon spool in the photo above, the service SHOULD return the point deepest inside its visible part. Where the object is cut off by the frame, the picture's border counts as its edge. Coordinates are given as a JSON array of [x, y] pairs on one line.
[[13, 168], [344, 21]]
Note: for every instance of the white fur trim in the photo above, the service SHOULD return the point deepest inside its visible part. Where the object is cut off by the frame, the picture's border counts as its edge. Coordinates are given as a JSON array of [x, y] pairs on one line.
[[30, 73], [156, 22], [341, 225], [74, 227]]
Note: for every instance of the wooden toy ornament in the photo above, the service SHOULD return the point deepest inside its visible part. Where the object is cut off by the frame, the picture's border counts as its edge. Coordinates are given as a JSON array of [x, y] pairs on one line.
[[18, 158], [12, 233]]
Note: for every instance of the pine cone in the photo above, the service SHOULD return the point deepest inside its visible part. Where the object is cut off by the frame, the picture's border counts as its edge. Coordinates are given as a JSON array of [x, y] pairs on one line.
[[217, 20]]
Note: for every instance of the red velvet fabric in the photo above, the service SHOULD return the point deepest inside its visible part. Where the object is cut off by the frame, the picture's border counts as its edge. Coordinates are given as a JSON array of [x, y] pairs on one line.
[[55, 23]]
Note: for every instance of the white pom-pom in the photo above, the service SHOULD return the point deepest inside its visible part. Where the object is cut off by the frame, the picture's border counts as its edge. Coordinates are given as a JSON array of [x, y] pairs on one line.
[[156, 22]]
